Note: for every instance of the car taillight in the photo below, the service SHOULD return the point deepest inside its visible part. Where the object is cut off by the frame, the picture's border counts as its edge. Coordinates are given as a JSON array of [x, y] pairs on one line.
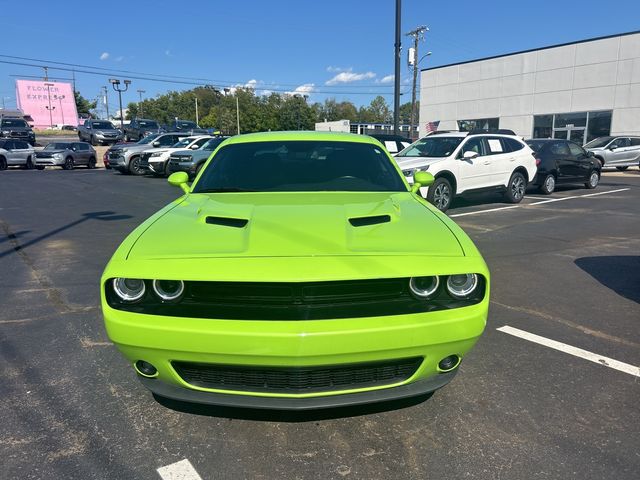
[[538, 162]]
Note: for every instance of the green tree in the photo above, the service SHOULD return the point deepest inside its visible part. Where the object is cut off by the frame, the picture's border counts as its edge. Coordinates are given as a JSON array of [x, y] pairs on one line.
[[83, 105]]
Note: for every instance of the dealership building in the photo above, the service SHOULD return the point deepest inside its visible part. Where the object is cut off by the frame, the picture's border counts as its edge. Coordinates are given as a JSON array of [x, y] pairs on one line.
[[578, 91]]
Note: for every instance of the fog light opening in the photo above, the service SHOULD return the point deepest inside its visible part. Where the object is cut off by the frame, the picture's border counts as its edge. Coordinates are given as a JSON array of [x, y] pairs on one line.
[[449, 363], [145, 369]]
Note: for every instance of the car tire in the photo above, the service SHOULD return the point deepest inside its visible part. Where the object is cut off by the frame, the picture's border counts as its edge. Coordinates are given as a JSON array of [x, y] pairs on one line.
[[440, 194], [548, 185], [29, 164], [198, 168], [3, 163], [134, 166], [40, 167], [92, 162], [68, 164], [92, 141], [516, 188], [594, 179], [622, 169]]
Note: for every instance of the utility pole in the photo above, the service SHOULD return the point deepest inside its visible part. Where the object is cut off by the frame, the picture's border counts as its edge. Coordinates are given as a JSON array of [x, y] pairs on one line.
[[106, 99], [197, 119], [396, 90], [417, 34], [46, 74], [140, 92]]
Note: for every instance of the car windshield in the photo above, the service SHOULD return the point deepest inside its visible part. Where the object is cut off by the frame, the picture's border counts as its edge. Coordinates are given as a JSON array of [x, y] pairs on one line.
[[598, 142], [432, 146], [300, 166], [13, 122], [186, 125], [148, 139], [212, 144], [182, 143], [58, 146], [148, 124], [103, 125]]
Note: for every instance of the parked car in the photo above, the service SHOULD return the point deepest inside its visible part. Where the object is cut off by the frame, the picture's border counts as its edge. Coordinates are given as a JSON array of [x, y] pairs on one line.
[[191, 161], [99, 132], [563, 162], [127, 158], [464, 162], [621, 152], [313, 240], [155, 161], [187, 126], [393, 143], [16, 152], [67, 155], [139, 128], [17, 128]]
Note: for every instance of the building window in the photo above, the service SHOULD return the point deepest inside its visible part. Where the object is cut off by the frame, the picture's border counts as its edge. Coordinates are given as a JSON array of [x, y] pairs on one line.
[[570, 120], [599, 125], [542, 126], [478, 124]]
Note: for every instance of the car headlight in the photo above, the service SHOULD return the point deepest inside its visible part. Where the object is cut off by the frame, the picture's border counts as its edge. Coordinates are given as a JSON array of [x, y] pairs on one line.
[[168, 290], [57, 155], [409, 173], [129, 289], [6, 132], [157, 154], [461, 286], [424, 287]]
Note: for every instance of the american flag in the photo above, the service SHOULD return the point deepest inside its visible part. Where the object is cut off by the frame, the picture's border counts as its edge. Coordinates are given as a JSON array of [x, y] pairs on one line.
[[432, 126]]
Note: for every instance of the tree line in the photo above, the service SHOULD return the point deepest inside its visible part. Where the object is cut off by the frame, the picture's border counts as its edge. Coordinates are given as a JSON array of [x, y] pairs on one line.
[[258, 113]]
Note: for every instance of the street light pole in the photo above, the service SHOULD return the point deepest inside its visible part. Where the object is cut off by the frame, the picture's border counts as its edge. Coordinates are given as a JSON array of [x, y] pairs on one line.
[[115, 83], [140, 92], [396, 90], [60, 98], [106, 100], [50, 108], [197, 119]]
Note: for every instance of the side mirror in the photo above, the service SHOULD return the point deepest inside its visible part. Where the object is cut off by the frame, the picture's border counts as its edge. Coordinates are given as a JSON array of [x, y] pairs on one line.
[[470, 155], [180, 179], [421, 179], [156, 144]]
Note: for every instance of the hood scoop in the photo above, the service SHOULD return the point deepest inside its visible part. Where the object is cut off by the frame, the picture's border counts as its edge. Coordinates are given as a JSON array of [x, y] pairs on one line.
[[371, 220], [227, 221]]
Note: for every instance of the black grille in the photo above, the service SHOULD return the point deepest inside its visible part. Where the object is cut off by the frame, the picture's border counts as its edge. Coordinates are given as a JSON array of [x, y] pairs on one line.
[[295, 301], [297, 379]]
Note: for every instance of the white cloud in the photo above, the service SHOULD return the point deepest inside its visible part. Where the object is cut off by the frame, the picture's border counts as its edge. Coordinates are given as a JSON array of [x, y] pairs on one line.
[[304, 89], [104, 55], [333, 69], [251, 83], [348, 77], [387, 79]]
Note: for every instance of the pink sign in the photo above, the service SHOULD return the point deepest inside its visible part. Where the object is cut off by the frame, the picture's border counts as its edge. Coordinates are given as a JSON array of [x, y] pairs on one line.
[[48, 103]]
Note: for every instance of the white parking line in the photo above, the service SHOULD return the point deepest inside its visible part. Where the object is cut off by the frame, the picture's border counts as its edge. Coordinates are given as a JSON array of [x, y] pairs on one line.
[[477, 212], [578, 352], [182, 470]]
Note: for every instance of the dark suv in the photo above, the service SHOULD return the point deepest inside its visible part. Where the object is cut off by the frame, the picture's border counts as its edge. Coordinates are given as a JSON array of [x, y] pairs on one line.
[[140, 128], [17, 128], [187, 126]]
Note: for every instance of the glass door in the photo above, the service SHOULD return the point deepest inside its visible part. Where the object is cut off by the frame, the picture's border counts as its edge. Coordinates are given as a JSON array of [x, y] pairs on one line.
[[577, 135]]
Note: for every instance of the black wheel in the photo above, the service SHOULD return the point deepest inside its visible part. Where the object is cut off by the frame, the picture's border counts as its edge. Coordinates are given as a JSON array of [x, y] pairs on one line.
[[92, 140], [198, 168], [594, 179], [440, 194], [548, 185], [3, 163], [40, 167], [92, 163], [622, 169], [515, 188], [68, 164], [29, 164], [134, 166]]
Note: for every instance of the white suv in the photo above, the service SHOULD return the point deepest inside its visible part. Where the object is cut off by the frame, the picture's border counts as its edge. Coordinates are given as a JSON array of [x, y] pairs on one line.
[[463, 162], [16, 152]]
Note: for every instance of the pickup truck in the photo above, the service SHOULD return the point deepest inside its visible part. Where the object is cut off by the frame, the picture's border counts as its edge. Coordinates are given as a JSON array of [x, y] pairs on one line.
[[17, 129], [99, 132], [140, 128], [187, 126]]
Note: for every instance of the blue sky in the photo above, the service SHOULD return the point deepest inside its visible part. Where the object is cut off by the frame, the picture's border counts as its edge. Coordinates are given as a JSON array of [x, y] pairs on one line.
[[341, 49]]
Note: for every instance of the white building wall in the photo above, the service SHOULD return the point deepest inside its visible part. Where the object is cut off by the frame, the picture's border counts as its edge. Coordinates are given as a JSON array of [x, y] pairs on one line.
[[592, 75]]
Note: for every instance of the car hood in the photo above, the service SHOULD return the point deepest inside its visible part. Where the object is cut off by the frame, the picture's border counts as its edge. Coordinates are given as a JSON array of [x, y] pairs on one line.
[[49, 152], [108, 131], [406, 163], [293, 224]]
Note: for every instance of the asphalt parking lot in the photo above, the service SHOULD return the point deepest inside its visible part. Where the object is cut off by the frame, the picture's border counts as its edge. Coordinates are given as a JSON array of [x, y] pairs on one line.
[[553, 394]]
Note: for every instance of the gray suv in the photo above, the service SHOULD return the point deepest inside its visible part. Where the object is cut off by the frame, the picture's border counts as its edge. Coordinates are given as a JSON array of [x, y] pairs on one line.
[[99, 132], [139, 128], [621, 152], [126, 158]]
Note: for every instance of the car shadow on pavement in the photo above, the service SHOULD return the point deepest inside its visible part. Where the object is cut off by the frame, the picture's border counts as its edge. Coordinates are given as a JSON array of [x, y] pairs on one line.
[[619, 273], [287, 415]]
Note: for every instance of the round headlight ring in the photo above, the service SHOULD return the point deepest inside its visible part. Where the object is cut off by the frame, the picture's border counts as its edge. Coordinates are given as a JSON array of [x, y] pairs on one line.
[[461, 286], [129, 289], [424, 287], [168, 290]]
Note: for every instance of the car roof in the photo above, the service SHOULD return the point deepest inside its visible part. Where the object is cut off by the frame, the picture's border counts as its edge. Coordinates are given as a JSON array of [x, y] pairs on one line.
[[301, 136]]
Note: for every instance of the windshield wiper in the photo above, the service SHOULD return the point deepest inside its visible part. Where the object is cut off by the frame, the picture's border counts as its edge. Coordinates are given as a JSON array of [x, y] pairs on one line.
[[225, 190]]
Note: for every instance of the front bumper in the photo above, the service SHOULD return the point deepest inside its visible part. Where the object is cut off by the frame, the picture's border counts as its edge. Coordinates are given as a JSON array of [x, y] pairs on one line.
[[189, 167], [162, 340]]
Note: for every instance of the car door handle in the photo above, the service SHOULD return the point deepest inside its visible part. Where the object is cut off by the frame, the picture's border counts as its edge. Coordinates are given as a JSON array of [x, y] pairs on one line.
[[487, 162], [512, 159]]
